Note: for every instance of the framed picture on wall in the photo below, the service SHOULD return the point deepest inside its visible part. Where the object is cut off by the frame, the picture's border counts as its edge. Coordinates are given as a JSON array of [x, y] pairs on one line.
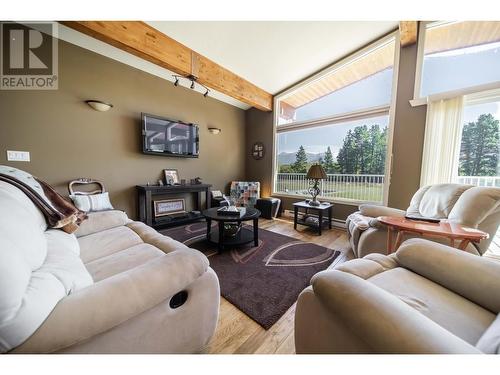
[[169, 207], [258, 150], [171, 176]]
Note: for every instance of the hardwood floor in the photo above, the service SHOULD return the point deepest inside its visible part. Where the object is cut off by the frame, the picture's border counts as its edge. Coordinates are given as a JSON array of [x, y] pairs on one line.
[[237, 333]]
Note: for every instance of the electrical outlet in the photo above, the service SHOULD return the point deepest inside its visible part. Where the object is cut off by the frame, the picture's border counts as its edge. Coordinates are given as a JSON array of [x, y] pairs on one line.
[[18, 155]]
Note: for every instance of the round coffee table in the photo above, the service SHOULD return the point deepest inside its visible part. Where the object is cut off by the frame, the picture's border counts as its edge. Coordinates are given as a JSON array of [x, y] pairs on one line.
[[244, 235]]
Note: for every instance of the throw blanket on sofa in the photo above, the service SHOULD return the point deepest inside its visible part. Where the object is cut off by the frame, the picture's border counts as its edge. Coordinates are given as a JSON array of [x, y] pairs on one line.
[[58, 212]]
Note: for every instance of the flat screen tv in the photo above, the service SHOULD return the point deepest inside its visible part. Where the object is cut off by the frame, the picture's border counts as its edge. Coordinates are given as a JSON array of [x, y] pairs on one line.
[[161, 136]]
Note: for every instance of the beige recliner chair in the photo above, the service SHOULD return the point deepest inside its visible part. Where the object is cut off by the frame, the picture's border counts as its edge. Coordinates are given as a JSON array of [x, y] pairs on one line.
[[472, 206], [425, 298]]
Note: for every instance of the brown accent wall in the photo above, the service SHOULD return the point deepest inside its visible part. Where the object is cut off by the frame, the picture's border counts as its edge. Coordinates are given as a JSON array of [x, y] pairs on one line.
[[67, 139], [408, 135], [259, 128]]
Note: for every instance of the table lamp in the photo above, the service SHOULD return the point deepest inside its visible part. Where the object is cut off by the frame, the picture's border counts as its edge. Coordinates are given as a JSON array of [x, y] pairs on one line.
[[315, 173]]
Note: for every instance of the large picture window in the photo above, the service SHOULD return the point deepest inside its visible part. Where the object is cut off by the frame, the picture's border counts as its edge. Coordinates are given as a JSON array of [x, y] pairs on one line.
[[480, 144], [457, 56], [339, 119]]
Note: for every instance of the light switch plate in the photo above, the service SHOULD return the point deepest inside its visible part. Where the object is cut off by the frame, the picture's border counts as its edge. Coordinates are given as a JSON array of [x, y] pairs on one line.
[[18, 155]]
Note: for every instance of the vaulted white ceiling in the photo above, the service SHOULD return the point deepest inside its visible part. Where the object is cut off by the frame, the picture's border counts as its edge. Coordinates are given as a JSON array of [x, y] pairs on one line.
[[271, 54], [274, 54]]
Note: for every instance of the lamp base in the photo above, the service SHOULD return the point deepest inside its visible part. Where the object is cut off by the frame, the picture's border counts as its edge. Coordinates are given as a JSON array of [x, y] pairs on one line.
[[314, 203]]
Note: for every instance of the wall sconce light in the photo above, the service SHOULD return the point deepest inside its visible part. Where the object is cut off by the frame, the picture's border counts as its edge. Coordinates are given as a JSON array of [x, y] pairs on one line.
[[99, 105], [214, 130]]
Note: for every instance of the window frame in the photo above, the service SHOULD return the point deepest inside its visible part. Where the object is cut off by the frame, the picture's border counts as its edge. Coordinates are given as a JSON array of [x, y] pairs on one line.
[[419, 100], [343, 117]]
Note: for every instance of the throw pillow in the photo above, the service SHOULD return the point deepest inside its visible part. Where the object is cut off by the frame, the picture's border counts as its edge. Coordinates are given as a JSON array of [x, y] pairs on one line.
[[91, 203]]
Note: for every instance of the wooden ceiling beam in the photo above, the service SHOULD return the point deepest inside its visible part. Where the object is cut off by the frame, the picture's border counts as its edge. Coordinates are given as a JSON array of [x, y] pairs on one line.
[[144, 41], [408, 32]]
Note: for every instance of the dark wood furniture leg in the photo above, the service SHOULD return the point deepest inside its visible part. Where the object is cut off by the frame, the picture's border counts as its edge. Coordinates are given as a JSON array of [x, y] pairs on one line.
[[295, 217], [149, 214], [320, 214], [208, 198], [198, 201], [256, 231], [209, 227], [221, 235], [142, 207], [330, 218]]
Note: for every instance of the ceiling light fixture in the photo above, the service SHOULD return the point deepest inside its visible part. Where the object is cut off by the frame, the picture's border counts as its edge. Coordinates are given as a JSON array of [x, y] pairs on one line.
[[99, 105], [194, 81]]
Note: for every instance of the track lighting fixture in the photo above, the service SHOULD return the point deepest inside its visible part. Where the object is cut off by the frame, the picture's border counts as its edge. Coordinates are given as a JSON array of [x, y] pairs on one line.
[[193, 80]]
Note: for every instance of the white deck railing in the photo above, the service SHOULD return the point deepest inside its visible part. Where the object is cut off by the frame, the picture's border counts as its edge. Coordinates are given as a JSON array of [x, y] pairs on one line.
[[357, 187], [479, 180], [345, 186]]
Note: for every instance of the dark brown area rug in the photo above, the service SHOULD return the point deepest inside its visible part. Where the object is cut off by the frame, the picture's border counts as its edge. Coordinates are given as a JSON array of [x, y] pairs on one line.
[[262, 281]]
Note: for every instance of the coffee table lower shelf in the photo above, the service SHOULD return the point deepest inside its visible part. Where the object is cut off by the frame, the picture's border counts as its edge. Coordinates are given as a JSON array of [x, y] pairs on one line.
[[244, 236]]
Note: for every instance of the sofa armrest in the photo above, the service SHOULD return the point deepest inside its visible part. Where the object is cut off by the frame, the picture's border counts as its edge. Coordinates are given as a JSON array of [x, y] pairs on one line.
[[385, 323], [101, 220], [473, 277], [112, 301], [373, 210]]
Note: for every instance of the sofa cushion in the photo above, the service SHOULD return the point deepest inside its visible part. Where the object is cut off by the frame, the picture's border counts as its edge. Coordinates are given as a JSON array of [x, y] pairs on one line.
[[489, 342], [63, 261], [122, 261], [152, 237], [456, 314], [107, 242], [99, 221]]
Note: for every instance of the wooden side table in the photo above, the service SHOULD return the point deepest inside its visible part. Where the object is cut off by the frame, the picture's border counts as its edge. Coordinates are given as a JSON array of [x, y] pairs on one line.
[[450, 230], [320, 209]]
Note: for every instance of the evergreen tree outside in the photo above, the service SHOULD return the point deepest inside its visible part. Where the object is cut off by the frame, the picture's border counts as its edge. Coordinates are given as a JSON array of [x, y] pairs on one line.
[[300, 165], [328, 163], [480, 147], [363, 151]]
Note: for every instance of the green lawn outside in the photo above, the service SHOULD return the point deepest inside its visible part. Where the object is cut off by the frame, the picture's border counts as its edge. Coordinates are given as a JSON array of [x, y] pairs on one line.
[[372, 192]]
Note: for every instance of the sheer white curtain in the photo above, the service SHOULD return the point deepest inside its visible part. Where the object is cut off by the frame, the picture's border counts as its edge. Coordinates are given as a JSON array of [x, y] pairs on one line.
[[443, 133]]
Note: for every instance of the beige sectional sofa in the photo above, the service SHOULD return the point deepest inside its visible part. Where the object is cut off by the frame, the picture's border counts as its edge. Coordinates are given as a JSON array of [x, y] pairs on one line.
[[107, 288], [425, 298]]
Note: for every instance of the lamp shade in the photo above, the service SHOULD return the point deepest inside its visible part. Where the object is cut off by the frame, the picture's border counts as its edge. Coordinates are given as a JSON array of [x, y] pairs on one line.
[[316, 172]]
